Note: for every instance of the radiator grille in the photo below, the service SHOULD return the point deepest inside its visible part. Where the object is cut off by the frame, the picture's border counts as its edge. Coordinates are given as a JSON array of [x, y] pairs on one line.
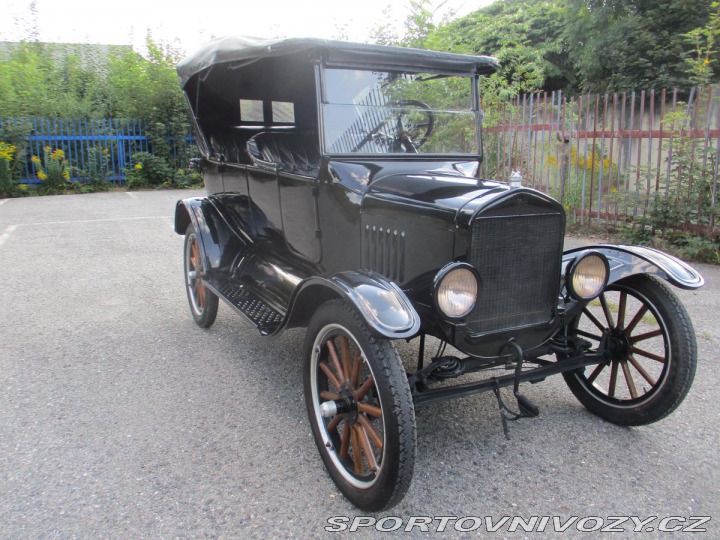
[[518, 259], [383, 250]]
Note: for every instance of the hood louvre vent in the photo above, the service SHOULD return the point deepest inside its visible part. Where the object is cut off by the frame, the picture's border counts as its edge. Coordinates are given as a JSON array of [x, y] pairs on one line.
[[383, 250]]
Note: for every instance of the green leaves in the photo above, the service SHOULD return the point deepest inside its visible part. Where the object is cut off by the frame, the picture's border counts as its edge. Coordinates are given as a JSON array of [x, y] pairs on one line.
[[42, 80], [591, 46], [631, 44]]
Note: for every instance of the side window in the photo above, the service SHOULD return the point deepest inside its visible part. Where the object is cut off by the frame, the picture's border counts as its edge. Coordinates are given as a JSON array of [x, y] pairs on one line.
[[283, 112], [251, 110]]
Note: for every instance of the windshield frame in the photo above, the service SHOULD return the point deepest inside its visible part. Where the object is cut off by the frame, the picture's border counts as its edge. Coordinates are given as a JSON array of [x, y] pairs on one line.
[[320, 87]]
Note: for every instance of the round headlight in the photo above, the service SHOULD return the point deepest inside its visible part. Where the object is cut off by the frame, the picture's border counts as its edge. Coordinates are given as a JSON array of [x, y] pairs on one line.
[[456, 292], [588, 276]]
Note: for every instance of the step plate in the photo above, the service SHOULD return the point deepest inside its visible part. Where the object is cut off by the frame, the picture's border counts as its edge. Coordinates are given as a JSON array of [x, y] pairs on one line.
[[260, 314]]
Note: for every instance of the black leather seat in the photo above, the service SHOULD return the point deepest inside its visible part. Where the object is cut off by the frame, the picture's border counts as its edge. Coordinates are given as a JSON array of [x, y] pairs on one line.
[[230, 144], [296, 153]]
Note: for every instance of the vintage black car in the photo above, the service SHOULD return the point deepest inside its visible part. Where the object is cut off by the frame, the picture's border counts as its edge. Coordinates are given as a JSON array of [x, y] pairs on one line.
[[344, 196]]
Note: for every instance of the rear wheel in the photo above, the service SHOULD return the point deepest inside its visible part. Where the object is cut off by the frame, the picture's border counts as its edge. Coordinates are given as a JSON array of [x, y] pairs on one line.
[[360, 408], [203, 302], [654, 353]]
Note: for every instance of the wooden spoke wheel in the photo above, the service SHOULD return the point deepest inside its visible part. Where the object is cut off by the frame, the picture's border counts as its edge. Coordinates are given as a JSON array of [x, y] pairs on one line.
[[360, 408], [203, 302], [652, 349]]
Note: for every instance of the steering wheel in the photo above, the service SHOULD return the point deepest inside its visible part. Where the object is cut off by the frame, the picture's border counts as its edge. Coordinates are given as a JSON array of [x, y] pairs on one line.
[[413, 127]]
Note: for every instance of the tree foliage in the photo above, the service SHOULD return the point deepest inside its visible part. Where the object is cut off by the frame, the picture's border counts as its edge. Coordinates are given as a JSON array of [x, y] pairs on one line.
[[37, 81], [576, 45], [628, 44], [525, 35]]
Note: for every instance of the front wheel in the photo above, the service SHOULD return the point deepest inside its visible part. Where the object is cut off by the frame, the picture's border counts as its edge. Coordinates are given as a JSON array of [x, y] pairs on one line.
[[360, 407], [653, 352]]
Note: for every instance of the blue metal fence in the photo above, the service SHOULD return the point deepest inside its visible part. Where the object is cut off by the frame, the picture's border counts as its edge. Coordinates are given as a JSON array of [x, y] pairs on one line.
[[92, 148]]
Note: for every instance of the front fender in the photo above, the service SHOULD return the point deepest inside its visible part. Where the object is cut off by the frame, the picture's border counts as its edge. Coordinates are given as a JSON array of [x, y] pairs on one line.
[[630, 260], [218, 243], [382, 304]]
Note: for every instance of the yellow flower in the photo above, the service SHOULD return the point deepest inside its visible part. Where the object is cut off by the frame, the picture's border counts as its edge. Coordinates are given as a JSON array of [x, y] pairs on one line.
[[48, 149], [35, 160], [66, 175], [42, 176], [57, 154], [7, 151], [613, 189], [567, 207], [138, 166], [23, 187], [105, 151], [706, 62]]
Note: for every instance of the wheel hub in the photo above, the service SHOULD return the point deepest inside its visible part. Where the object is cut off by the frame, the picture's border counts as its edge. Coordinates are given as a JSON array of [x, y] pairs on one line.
[[345, 406], [618, 344]]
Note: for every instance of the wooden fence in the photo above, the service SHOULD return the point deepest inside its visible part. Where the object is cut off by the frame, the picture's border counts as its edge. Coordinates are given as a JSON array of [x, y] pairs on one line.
[[613, 157]]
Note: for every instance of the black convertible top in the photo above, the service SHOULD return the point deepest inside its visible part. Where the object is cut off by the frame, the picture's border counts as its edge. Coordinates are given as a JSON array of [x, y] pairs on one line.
[[244, 49]]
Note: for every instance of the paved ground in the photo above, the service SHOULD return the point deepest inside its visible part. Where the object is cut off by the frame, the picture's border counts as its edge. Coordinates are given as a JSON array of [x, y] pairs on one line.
[[120, 418]]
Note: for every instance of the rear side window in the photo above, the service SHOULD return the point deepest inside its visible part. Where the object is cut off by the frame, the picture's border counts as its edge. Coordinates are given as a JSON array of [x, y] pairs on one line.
[[283, 112], [252, 111]]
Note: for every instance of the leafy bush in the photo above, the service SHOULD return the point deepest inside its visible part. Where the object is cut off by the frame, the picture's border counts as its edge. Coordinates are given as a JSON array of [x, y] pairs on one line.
[[96, 167], [148, 171], [8, 155], [52, 170]]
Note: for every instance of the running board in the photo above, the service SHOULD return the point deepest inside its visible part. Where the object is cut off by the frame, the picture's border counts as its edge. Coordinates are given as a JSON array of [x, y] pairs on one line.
[[264, 317]]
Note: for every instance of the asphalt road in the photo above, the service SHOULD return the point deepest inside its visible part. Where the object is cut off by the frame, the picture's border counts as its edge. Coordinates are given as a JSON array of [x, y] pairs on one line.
[[120, 418]]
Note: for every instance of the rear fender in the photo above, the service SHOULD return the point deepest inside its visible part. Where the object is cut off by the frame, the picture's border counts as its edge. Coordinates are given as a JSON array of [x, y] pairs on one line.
[[218, 243], [630, 260], [382, 304]]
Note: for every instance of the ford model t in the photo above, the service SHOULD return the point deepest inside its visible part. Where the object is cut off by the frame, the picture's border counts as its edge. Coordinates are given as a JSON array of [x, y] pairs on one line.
[[344, 195]]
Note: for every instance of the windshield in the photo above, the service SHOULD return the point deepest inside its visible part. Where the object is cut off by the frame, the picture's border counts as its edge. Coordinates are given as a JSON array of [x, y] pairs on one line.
[[381, 112]]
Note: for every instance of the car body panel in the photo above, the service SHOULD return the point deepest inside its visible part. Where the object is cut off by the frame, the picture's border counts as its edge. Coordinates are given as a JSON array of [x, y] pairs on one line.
[[627, 261]]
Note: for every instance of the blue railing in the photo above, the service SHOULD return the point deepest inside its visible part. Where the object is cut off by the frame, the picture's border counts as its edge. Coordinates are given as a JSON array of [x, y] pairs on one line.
[[92, 148]]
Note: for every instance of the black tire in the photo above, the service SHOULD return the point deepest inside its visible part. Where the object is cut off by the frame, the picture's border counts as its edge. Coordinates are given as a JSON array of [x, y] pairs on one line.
[[362, 361], [665, 364], [203, 302]]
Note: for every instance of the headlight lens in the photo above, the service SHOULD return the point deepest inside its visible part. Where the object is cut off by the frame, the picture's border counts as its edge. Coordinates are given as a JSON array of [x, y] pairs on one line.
[[457, 292], [588, 276]]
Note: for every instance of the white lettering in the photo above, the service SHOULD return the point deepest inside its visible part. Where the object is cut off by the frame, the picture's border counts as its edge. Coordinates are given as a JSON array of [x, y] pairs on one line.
[[340, 522], [640, 524], [581, 525], [477, 523], [698, 520], [421, 522], [362, 521], [565, 526], [663, 525], [443, 522], [615, 521], [397, 523], [526, 525], [494, 527]]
